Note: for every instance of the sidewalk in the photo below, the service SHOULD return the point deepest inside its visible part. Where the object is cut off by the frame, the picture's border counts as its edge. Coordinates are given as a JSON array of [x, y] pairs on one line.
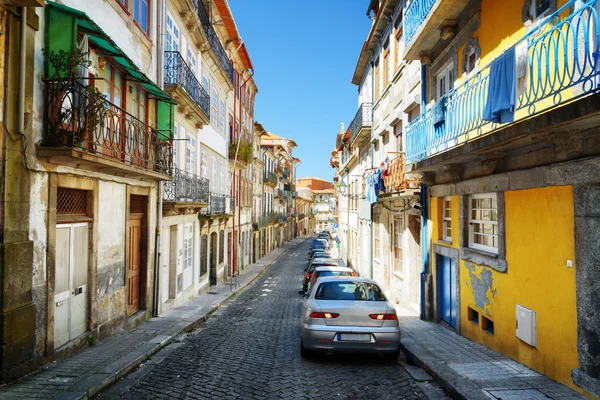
[[468, 370], [89, 371]]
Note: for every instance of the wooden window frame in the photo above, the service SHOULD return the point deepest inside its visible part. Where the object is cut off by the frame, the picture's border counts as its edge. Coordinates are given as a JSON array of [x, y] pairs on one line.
[[472, 221], [376, 78], [447, 220], [398, 33], [386, 63]]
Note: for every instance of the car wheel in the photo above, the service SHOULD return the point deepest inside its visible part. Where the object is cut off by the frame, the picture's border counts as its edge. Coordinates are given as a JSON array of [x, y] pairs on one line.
[[393, 356], [304, 352]]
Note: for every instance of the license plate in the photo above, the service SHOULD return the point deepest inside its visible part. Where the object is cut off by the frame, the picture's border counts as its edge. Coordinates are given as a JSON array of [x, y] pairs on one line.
[[354, 337]]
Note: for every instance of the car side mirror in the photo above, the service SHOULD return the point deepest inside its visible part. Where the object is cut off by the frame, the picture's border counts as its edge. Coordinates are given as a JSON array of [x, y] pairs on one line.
[[301, 292]]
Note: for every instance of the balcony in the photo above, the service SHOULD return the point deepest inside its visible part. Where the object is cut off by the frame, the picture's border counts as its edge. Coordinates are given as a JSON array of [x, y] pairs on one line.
[[215, 207], [214, 41], [361, 123], [85, 131], [426, 22], [181, 83], [230, 206], [549, 85], [397, 183], [270, 178], [278, 194]]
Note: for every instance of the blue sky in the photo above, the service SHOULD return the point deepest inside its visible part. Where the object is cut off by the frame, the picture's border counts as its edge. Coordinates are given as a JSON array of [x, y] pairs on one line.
[[304, 55]]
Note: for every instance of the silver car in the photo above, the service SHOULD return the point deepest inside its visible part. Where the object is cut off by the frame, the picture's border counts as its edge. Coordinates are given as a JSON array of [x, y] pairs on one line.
[[348, 314]]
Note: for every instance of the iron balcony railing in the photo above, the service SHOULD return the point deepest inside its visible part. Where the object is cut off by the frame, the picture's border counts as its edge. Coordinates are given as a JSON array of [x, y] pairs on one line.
[[278, 193], [562, 65], [270, 177], [214, 41], [416, 12], [362, 119], [186, 187], [216, 205], [177, 72], [78, 116]]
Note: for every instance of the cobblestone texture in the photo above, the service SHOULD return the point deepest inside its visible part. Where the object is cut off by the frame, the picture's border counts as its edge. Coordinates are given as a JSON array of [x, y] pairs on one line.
[[250, 349]]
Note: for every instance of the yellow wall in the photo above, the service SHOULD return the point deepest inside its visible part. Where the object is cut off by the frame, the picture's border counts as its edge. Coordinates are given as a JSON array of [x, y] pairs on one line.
[[539, 240]]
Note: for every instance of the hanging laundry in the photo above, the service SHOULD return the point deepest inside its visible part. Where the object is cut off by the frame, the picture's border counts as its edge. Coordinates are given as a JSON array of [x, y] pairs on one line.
[[439, 112], [371, 195], [522, 55], [502, 89]]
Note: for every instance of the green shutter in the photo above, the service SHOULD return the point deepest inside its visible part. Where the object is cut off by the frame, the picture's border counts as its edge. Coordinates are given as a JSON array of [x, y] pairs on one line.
[[60, 34], [165, 120]]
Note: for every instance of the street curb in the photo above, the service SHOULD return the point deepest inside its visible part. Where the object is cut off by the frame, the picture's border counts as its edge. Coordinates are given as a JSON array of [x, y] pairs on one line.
[[126, 369], [456, 390]]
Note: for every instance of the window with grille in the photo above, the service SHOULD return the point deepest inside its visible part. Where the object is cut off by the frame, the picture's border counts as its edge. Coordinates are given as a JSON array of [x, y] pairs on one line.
[[447, 220], [483, 222], [136, 204], [71, 202], [221, 246]]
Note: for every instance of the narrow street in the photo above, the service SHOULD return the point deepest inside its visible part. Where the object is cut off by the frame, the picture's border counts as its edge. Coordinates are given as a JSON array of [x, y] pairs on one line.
[[250, 349]]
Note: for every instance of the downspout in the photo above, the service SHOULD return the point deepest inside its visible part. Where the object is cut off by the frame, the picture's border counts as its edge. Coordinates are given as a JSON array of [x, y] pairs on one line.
[[22, 61], [424, 213], [160, 73], [372, 165]]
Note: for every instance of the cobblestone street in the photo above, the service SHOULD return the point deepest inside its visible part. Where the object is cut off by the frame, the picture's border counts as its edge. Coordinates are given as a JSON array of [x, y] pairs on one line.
[[250, 349]]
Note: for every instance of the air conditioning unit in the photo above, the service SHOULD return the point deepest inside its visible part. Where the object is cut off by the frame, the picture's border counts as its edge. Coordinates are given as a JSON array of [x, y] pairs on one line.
[[527, 325]]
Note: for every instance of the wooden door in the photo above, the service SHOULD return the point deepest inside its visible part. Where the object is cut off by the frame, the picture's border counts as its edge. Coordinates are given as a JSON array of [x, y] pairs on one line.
[[134, 264]]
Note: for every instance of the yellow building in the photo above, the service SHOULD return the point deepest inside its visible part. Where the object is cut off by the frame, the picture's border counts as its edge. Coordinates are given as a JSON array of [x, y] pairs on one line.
[[513, 188]]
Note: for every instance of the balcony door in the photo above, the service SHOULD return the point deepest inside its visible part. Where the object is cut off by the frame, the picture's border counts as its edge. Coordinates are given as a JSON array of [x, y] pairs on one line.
[[137, 128], [113, 140]]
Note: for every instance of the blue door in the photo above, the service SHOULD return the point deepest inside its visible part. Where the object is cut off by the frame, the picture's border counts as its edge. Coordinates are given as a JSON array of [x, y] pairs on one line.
[[448, 289]]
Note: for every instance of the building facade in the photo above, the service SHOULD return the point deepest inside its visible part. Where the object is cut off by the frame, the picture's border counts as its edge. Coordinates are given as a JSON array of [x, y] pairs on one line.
[[491, 190], [196, 203]]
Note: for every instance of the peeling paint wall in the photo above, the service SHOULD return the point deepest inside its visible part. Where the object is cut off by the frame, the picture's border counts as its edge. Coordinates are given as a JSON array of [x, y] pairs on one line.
[[539, 238]]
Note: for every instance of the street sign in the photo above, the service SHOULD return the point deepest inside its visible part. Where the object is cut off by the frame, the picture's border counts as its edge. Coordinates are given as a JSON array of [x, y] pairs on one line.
[[335, 225]]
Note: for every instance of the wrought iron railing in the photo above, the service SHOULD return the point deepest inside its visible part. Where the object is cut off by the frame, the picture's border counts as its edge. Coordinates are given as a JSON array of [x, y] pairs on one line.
[[362, 119], [186, 187], [278, 193], [270, 177], [396, 180], [177, 72], [416, 12], [562, 66], [215, 43], [78, 116], [216, 205]]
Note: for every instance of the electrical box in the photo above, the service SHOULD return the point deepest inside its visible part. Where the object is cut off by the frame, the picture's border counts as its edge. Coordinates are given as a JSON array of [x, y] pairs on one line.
[[527, 325]]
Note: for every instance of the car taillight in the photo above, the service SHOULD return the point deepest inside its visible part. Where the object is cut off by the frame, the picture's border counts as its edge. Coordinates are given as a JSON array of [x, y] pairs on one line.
[[325, 315], [385, 317]]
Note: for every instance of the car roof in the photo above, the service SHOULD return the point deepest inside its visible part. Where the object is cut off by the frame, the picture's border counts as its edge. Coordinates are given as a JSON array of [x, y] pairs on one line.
[[347, 279], [320, 260], [336, 269]]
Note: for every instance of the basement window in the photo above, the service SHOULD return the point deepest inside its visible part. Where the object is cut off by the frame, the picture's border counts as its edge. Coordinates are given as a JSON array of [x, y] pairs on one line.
[[473, 315], [487, 324]]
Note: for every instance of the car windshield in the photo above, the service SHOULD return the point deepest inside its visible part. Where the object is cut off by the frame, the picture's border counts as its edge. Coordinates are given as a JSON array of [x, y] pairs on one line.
[[322, 263], [363, 291]]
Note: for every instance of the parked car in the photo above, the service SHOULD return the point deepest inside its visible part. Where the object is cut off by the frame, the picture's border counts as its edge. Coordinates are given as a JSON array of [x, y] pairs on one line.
[[317, 262], [348, 314], [316, 252], [322, 272], [319, 244]]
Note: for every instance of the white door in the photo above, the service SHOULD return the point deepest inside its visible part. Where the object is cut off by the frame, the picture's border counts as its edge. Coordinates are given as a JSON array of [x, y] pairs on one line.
[[70, 284], [188, 253]]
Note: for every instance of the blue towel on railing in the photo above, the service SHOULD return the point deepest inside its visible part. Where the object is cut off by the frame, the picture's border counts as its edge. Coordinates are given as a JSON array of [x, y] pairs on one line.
[[439, 112], [502, 89]]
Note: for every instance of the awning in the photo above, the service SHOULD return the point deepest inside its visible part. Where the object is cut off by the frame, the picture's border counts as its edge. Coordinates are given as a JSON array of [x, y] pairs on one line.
[[64, 23]]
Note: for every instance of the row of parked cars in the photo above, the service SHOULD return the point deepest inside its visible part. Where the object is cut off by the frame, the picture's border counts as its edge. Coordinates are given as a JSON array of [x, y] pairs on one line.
[[342, 312]]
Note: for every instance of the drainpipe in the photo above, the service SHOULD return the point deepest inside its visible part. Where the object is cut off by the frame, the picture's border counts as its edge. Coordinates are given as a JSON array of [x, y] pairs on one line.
[[424, 205], [160, 73], [372, 149], [22, 61]]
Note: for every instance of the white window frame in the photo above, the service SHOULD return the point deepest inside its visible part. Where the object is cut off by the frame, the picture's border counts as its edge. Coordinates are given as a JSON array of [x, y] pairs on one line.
[[447, 220], [204, 164], [447, 74], [190, 154], [191, 59], [172, 40], [533, 10], [472, 243]]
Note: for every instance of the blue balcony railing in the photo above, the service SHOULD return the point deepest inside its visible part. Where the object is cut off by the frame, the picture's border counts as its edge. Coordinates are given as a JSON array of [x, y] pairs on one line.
[[562, 66], [177, 72], [362, 119], [416, 12]]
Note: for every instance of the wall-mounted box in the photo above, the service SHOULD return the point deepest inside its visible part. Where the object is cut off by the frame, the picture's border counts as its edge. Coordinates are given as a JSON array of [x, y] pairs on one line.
[[527, 325]]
